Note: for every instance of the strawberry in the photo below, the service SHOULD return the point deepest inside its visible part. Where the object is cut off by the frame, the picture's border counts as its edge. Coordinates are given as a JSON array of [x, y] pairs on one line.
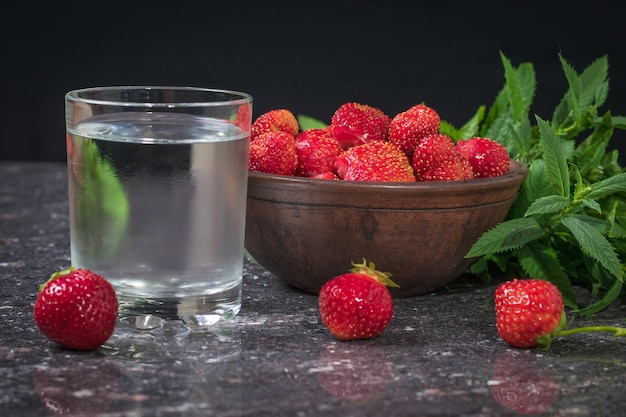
[[354, 124], [529, 312], [374, 161], [487, 157], [456, 169], [357, 304], [436, 159], [409, 127], [281, 120], [326, 176], [273, 152], [77, 309], [316, 150]]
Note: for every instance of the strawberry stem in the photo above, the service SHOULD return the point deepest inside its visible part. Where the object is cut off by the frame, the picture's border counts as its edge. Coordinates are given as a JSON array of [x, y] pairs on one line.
[[370, 269], [619, 331], [56, 275]]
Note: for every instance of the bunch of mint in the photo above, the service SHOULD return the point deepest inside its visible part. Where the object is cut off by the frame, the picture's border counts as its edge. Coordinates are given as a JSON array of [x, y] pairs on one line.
[[568, 222]]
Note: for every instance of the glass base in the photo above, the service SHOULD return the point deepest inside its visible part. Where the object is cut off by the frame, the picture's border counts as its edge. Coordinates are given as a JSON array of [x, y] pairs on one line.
[[196, 312], [174, 343], [158, 330]]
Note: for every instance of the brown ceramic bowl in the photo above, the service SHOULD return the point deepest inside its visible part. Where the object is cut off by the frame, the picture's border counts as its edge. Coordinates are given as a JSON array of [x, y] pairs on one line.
[[307, 231]]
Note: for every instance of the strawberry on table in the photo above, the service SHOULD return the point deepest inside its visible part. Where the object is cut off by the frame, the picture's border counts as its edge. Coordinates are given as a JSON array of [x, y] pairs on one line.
[[357, 304], [530, 313], [487, 157], [281, 120], [374, 161], [436, 159], [527, 310], [77, 309], [317, 150], [354, 124], [273, 152], [409, 127]]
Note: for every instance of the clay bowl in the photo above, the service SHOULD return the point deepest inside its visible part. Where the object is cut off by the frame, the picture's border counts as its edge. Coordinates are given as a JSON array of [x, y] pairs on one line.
[[306, 231]]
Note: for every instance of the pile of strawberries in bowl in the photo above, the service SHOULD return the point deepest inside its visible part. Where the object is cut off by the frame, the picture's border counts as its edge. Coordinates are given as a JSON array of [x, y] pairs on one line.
[[395, 191], [362, 143]]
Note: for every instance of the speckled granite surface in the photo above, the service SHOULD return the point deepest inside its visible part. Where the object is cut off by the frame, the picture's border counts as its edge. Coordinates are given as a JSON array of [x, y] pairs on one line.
[[440, 356]]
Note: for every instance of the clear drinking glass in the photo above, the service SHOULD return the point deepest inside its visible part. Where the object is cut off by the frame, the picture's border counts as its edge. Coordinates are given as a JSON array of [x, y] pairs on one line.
[[157, 190]]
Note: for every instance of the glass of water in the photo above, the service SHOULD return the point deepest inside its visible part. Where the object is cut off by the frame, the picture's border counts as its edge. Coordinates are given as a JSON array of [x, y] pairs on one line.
[[157, 191]]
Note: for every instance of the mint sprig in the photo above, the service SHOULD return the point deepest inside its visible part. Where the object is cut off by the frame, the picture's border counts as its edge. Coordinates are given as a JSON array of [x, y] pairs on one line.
[[568, 222]]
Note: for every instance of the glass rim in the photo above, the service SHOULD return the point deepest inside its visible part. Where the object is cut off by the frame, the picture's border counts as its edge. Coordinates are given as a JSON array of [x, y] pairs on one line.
[[238, 98]]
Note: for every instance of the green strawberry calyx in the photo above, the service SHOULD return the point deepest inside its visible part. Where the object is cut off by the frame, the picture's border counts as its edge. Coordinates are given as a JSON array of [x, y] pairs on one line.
[[56, 275], [543, 342], [370, 269]]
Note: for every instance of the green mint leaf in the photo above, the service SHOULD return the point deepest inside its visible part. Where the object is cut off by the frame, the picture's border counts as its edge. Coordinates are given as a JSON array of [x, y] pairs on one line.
[[594, 86], [541, 261], [520, 84], [575, 87], [307, 122], [611, 185], [516, 100], [548, 205], [591, 205], [499, 127], [593, 243], [562, 114], [619, 122], [556, 159], [496, 113], [512, 104], [589, 153], [598, 223], [610, 296], [448, 128], [519, 144], [533, 187], [507, 235], [616, 230], [471, 127]]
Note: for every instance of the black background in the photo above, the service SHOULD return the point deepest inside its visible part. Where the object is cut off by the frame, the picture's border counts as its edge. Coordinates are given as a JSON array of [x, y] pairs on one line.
[[309, 57]]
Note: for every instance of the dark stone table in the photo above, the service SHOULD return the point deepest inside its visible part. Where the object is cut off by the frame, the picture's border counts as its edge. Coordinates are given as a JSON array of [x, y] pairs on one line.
[[440, 355]]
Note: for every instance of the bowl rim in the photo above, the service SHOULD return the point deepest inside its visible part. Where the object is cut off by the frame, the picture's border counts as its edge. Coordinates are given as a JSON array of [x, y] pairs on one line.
[[386, 195], [516, 169]]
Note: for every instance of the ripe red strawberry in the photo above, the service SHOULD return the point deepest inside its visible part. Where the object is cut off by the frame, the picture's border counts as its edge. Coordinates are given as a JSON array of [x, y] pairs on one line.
[[374, 161], [354, 124], [273, 153], [326, 176], [529, 312], [409, 127], [317, 150], [487, 157], [357, 304], [275, 120], [77, 309], [436, 159]]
